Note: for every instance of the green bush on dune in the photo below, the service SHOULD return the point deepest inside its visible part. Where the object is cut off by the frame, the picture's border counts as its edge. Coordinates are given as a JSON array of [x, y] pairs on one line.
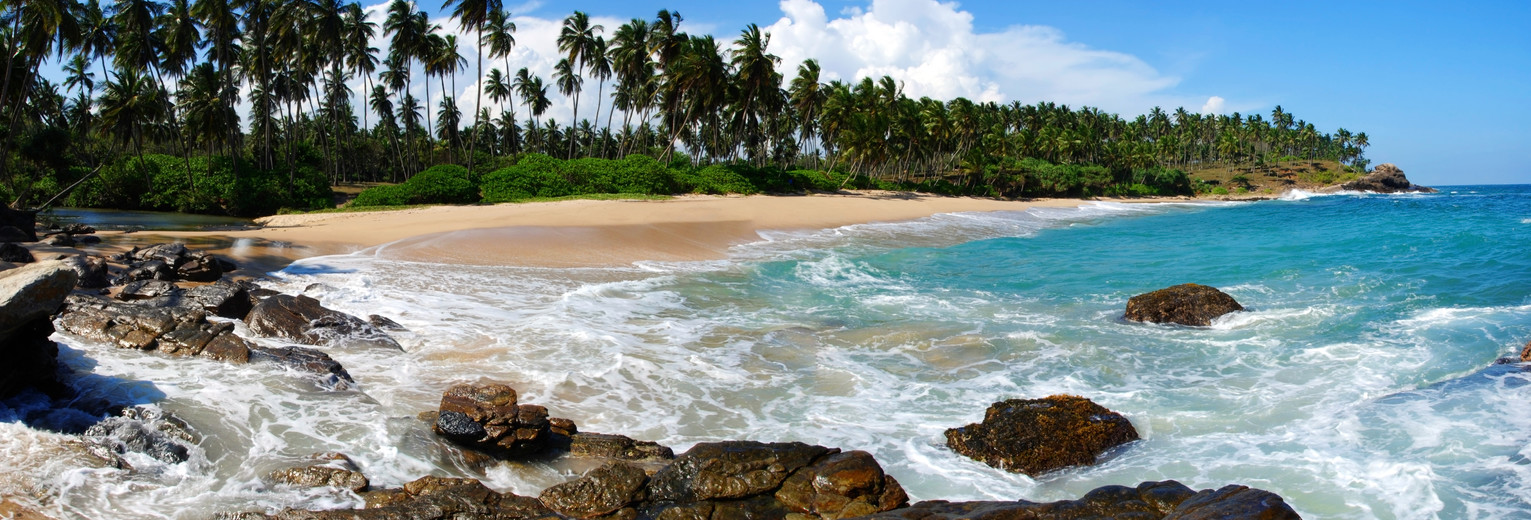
[[442, 184]]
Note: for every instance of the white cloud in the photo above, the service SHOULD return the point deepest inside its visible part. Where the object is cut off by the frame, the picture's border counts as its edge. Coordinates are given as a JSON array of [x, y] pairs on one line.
[[1214, 105]]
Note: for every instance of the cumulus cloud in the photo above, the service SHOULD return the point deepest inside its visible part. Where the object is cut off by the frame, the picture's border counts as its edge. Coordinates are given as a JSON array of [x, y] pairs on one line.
[[1214, 105], [933, 49]]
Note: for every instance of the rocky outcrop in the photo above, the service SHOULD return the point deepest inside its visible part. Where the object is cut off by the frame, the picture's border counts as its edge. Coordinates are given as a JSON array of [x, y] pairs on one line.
[[428, 498], [92, 270], [10, 252], [29, 295], [487, 418], [147, 290], [1150, 500], [184, 330], [302, 319], [327, 470], [1386, 178], [1186, 304], [224, 299], [170, 262], [1035, 436], [617, 447]]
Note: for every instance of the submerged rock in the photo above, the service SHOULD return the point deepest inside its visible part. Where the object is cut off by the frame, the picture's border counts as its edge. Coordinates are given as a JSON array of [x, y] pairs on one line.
[[307, 360], [328, 470], [1186, 304], [1150, 500], [155, 433], [304, 320], [1386, 178], [1035, 436]]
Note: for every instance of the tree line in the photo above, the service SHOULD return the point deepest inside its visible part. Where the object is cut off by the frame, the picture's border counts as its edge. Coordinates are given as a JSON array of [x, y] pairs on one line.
[[148, 104]]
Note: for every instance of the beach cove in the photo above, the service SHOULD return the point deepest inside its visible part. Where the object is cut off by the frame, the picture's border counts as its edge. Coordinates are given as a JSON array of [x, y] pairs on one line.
[[1362, 366]]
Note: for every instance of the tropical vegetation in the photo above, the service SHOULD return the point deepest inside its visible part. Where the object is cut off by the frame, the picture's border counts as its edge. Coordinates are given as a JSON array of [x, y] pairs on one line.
[[151, 115]]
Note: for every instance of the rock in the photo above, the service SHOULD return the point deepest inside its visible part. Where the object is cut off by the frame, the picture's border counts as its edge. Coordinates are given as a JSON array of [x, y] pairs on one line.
[[59, 240], [22, 225], [77, 228], [427, 498], [225, 299], [158, 434], [1035, 436], [731, 470], [173, 330], [171, 254], [487, 418], [29, 359], [147, 289], [304, 320], [1525, 353], [1149, 500], [199, 267], [1186, 304], [384, 323], [616, 447], [330, 470], [1233, 501], [147, 270], [87, 239], [92, 271], [842, 485], [10, 252], [306, 360], [603, 491], [33, 291], [1385, 178]]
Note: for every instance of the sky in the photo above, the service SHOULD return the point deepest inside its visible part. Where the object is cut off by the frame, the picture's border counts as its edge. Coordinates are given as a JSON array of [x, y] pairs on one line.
[[1442, 90]]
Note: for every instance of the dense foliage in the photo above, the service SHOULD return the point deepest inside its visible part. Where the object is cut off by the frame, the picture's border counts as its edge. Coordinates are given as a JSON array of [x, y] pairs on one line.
[[150, 84]]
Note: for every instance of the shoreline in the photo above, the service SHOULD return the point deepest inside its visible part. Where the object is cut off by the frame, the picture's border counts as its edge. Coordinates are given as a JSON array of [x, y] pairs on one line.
[[578, 233]]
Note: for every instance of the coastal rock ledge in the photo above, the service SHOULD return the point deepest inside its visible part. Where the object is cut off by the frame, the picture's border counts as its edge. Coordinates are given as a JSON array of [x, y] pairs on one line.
[[1035, 436], [1386, 178], [1186, 304]]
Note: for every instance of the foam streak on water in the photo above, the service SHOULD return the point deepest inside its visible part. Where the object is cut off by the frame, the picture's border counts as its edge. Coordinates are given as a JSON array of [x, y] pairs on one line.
[[1357, 385]]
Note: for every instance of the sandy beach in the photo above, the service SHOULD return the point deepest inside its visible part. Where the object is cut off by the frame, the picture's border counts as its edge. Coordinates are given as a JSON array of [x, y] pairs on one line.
[[579, 233]]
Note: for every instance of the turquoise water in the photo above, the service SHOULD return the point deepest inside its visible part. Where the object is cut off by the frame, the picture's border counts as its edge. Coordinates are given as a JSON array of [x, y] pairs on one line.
[[1358, 384]]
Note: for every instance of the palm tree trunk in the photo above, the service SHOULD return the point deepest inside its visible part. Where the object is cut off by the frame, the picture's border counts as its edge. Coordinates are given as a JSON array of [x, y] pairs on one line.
[[477, 104]]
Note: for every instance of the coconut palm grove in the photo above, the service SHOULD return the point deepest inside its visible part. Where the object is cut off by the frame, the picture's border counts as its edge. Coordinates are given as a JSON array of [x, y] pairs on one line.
[[150, 116]]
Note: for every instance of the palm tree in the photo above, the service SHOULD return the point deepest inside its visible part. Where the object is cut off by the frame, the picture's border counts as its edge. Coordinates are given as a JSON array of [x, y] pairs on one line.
[[600, 69], [497, 87], [807, 97], [577, 39], [78, 75], [475, 14], [502, 36], [130, 106], [209, 114], [756, 78], [360, 56], [569, 84]]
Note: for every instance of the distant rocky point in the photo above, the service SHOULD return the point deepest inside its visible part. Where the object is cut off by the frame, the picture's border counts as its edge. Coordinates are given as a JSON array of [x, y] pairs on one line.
[[1385, 178]]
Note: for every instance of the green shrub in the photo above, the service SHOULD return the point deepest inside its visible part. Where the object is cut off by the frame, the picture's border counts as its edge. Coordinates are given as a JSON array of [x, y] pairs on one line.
[[389, 195], [717, 179], [535, 175], [442, 184], [1219, 190]]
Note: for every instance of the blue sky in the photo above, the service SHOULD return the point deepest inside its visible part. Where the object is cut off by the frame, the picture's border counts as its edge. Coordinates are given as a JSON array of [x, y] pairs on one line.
[[1443, 90]]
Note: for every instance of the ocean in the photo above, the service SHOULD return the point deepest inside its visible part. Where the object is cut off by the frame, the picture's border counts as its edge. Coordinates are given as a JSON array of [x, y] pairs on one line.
[[1359, 383]]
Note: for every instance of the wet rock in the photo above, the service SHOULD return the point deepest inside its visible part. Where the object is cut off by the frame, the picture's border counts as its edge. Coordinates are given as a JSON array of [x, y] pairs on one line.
[[147, 270], [1186, 304], [92, 271], [59, 240], [730, 470], [329, 470], [225, 299], [1525, 353], [78, 228], [29, 295], [487, 418], [199, 268], [147, 289], [302, 319], [1386, 178], [384, 323], [155, 433], [429, 498], [305, 359], [1233, 501], [616, 447], [1035, 436], [171, 262], [176, 330], [842, 485], [1149, 500], [603, 491], [170, 254], [10, 252]]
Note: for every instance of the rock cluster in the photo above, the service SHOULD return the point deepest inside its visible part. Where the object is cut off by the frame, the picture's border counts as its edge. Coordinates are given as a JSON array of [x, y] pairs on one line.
[[488, 419], [327, 470], [170, 262], [1167, 500], [1035, 436], [1386, 178], [151, 432], [29, 295], [303, 320], [1185, 304]]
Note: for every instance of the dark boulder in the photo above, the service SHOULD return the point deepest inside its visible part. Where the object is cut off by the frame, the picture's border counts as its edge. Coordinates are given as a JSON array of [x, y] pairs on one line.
[[224, 299], [1386, 178], [10, 252], [326, 470], [59, 240], [616, 447], [78, 228], [151, 432], [1150, 500], [731, 469], [199, 267], [842, 485], [428, 498], [86, 239], [147, 289], [172, 254], [1035, 436], [605, 490], [14, 234], [303, 359], [1186, 304], [173, 330], [383, 323], [488, 419], [146, 270], [92, 270], [302, 319], [22, 225]]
